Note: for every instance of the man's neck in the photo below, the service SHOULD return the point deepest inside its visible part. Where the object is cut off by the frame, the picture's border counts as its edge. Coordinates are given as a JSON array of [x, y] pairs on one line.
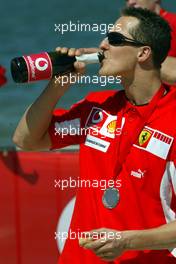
[[142, 90]]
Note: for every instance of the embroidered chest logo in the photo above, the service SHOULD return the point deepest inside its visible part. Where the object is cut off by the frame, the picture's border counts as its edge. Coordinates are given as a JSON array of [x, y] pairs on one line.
[[111, 127], [144, 136], [102, 128], [155, 142], [102, 122], [138, 174]]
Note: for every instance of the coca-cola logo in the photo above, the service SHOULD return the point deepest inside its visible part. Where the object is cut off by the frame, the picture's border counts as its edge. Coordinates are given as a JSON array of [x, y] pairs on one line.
[[41, 64]]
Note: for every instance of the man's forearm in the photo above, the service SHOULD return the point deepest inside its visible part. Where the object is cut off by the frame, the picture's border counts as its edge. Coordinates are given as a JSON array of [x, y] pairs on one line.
[[163, 237], [36, 119]]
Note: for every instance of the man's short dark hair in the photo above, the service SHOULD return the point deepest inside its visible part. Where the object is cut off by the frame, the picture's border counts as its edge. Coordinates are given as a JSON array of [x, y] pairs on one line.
[[152, 30]]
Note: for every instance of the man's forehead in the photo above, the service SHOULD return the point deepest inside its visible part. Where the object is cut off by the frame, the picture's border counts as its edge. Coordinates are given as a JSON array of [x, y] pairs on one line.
[[144, 1], [126, 23], [149, 4]]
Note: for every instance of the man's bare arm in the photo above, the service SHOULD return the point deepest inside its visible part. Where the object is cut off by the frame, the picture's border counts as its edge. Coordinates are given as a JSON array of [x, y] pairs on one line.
[[32, 130], [163, 237], [110, 246]]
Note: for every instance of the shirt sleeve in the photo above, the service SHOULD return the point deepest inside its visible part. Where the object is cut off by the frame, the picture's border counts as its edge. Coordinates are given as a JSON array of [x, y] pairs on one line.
[[168, 186], [65, 126], [172, 51], [172, 168]]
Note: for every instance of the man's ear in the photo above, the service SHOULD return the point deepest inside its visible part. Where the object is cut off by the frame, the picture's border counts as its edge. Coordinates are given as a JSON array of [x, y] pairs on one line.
[[144, 54]]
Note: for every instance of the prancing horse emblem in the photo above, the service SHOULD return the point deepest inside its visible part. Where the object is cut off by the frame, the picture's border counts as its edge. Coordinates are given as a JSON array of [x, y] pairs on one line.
[[144, 136]]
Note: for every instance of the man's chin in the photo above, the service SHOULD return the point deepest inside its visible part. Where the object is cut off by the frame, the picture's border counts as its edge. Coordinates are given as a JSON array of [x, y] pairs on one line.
[[103, 72]]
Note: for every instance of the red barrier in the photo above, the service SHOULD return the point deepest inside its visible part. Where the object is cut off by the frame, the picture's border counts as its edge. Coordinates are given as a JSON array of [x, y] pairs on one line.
[[3, 79], [30, 205]]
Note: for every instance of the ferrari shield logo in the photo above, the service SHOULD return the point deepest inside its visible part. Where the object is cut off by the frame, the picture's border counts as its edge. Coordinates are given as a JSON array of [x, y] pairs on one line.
[[144, 136]]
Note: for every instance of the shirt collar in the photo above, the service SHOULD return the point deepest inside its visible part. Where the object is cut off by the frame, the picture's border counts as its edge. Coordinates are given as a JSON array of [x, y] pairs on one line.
[[163, 12], [142, 110]]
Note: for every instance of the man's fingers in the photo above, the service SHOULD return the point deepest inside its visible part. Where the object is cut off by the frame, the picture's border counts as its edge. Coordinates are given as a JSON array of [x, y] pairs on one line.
[[77, 52], [83, 241], [105, 253], [63, 50], [72, 52], [96, 244], [104, 250]]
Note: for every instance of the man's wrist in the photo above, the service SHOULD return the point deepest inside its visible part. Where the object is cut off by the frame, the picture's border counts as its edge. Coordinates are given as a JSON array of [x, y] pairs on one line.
[[57, 89], [128, 239], [147, 239]]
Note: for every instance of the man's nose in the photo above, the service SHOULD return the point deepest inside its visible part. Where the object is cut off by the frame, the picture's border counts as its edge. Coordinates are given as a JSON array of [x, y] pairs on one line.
[[104, 45], [131, 3]]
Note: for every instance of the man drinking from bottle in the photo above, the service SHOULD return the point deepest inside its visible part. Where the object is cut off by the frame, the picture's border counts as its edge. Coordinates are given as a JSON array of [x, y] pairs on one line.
[[129, 137]]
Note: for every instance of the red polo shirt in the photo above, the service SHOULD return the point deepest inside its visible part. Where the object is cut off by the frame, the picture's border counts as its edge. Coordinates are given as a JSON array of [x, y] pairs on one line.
[[171, 19], [147, 176]]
